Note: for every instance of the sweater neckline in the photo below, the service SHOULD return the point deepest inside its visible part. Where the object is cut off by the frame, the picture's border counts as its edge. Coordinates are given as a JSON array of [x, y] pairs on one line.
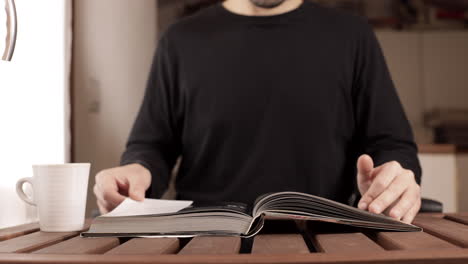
[[263, 19]]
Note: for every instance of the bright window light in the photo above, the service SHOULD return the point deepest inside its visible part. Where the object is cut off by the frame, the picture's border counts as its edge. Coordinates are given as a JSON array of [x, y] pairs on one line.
[[34, 101], [3, 28]]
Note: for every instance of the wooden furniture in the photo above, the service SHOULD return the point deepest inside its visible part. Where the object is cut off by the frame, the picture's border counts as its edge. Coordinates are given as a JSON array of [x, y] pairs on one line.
[[444, 240]]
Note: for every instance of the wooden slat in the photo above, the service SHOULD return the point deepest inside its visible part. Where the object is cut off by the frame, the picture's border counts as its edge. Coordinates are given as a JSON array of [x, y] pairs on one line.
[[442, 256], [147, 246], [460, 218], [80, 245], [212, 246], [33, 241], [436, 215], [15, 231], [450, 231], [345, 243], [37, 240], [279, 244], [411, 240]]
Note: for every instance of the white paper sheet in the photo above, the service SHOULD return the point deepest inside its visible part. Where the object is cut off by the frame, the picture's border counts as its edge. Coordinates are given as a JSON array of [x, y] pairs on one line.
[[131, 207]]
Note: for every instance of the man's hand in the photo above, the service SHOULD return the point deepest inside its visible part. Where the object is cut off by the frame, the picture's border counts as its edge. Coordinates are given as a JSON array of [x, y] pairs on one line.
[[388, 188], [113, 185]]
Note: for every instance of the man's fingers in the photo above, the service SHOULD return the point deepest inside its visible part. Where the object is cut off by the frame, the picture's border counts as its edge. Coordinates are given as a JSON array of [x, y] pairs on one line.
[[381, 181], [122, 186], [411, 214], [407, 201], [390, 195], [137, 189], [110, 195], [103, 207], [97, 192], [365, 165], [113, 197], [113, 185], [107, 189]]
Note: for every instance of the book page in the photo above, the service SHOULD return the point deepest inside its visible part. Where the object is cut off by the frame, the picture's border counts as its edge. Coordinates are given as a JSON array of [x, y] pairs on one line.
[[304, 206], [131, 207]]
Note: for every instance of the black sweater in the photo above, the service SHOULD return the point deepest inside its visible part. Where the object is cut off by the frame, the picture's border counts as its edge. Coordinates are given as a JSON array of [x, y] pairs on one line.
[[264, 104]]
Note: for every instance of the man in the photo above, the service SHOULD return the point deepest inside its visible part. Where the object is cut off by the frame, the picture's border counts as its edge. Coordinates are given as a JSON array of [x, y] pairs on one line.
[[262, 96]]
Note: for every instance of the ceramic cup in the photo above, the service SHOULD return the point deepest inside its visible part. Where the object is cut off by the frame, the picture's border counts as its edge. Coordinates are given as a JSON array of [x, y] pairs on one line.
[[59, 192]]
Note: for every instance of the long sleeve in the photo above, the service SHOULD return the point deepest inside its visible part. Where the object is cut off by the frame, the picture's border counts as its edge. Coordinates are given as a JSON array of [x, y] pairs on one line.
[[154, 140], [382, 126]]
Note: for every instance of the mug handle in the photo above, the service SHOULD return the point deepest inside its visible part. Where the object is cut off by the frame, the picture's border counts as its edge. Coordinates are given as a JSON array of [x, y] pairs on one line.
[[10, 8], [20, 192]]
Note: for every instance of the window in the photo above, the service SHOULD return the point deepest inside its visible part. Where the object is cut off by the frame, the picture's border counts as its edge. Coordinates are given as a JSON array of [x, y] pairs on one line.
[[34, 100]]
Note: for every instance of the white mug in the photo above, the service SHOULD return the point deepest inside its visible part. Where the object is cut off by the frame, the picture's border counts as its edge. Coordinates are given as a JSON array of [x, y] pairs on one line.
[[59, 192]]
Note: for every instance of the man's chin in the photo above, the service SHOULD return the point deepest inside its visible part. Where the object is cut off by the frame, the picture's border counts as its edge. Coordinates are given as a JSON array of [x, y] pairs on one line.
[[267, 3]]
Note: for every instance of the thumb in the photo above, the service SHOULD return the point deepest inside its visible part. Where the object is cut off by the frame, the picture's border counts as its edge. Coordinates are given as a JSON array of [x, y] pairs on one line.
[[136, 189], [365, 165]]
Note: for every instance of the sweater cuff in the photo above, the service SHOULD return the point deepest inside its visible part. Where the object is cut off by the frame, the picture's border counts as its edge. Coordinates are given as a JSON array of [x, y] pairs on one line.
[[405, 162]]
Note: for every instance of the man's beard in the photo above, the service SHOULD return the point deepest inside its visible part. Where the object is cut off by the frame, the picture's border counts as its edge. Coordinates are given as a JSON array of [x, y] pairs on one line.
[[267, 3]]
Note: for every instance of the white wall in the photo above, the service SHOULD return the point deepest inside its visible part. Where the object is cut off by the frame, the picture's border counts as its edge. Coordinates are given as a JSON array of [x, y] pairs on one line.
[[445, 60], [430, 71], [403, 54], [113, 48], [34, 110]]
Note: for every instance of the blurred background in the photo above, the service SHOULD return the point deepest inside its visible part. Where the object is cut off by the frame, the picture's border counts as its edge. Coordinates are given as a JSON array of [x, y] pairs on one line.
[[97, 54]]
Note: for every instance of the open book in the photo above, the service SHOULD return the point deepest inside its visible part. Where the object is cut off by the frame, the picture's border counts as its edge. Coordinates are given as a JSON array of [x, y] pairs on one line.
[[166, 218]]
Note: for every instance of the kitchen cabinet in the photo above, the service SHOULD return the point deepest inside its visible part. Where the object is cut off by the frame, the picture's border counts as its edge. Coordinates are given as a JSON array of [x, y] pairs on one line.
[[445, 175]]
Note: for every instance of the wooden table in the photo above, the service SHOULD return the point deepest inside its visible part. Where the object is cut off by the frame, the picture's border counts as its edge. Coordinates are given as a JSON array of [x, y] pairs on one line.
[[444, 240]]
